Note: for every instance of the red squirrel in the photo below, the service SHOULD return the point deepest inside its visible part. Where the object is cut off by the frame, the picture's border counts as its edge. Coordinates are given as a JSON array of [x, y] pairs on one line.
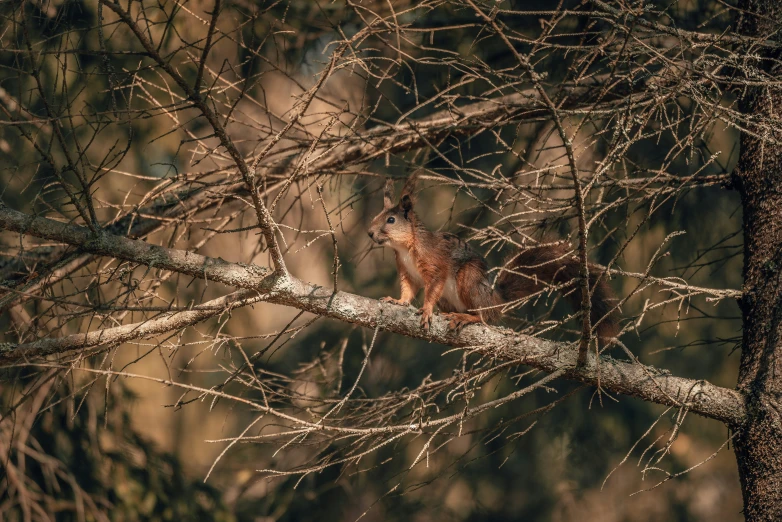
[[456, 279]]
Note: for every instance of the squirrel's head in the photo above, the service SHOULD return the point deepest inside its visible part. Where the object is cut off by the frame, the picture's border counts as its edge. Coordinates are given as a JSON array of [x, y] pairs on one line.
[[395, 224]]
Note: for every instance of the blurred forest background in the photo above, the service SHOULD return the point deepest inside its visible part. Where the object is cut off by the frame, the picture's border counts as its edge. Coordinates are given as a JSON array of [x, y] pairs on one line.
[[140, 450]]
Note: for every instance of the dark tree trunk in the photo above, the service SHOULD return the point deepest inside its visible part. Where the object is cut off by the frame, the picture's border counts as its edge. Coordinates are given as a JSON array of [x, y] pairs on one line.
[[758, 443]]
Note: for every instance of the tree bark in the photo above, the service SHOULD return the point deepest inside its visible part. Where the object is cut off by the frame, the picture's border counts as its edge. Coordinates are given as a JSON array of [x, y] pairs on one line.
[[758, 442]]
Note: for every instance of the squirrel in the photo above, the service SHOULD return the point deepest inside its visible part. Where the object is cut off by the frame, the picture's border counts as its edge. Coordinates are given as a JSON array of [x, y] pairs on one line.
[[456, 279]]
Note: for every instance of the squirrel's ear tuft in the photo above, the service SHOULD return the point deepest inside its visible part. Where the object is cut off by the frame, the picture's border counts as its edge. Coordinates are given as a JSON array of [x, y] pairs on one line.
[[409, 188], [388, 193], [406, 203]]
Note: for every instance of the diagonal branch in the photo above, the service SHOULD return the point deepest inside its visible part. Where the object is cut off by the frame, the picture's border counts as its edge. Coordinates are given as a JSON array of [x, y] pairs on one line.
[[628, 378], [110, 245]]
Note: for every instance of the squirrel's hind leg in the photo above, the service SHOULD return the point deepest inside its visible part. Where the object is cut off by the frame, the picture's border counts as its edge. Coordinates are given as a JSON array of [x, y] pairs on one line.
[[476, 293], [457, 321]]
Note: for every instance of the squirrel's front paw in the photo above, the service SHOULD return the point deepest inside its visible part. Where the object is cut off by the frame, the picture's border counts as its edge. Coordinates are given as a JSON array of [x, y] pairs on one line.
[[426, 318], [394, 301]]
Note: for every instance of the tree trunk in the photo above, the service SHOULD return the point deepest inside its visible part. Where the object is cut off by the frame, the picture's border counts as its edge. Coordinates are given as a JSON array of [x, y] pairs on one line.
[[758, 442]]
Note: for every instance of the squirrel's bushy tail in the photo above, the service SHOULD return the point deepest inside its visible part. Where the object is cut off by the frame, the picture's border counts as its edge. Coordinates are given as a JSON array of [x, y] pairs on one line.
[[532, 269]]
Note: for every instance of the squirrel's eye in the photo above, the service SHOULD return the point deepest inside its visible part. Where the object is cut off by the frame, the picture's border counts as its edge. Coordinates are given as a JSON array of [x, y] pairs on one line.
[[391, 219]]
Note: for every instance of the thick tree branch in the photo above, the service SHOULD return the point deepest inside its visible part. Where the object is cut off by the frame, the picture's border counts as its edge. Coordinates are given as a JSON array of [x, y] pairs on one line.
[[628, 378], [105, 244]]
